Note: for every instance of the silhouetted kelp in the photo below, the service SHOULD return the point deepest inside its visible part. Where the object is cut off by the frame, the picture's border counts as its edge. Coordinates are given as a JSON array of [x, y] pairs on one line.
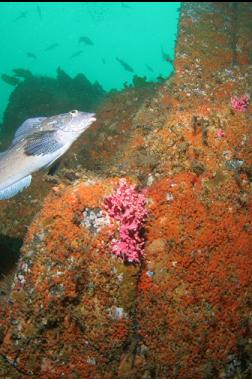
[[22, 73], [142, 82], [10, 79]]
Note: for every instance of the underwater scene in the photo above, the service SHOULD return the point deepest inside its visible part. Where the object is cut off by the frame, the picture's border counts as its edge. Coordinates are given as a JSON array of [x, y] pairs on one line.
[[126, 190]]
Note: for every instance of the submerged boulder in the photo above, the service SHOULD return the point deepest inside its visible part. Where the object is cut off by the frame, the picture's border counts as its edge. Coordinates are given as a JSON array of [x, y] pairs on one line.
[[73, 302]]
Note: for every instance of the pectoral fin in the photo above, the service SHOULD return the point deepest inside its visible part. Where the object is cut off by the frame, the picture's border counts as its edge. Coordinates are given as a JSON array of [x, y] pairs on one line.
[[42, 143], [13, 189]]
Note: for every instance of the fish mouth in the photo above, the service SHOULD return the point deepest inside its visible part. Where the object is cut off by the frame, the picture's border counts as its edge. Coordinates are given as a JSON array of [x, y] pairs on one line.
[[87, 122], [91, 119]]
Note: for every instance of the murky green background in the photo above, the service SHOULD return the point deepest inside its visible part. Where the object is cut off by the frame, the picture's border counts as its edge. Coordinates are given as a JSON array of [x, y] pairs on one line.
[[134, 32]]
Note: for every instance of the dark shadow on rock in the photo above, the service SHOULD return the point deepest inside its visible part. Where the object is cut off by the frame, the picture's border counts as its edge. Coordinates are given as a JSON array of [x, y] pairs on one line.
[[9, 253]]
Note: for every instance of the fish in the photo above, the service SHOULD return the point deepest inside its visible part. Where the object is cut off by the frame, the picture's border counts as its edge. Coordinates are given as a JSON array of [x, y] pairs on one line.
[[76, 54], [125, 65], [51, 47], [149, 68], [31, 55], [39, 12], [86, 40], [22, 73], [167, 58], [22, 14], [36, 145], [126, 6], [10, 80]]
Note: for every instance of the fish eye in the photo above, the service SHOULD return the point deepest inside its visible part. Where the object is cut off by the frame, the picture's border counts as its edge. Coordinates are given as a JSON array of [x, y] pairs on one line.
[[74, 112]]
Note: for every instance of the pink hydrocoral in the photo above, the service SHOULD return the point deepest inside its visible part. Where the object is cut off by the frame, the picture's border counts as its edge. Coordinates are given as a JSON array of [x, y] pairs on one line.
[[126, 205], [220, 133], [240, 104]]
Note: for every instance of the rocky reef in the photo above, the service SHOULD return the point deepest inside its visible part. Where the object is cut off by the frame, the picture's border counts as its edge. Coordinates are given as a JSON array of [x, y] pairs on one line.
[[75, 309]]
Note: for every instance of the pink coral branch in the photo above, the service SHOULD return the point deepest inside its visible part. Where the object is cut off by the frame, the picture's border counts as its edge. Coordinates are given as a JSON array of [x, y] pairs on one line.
[[127, 206], [240, 104]]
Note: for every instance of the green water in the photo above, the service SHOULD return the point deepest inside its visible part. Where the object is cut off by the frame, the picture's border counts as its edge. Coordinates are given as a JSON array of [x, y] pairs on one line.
[[133, 32]]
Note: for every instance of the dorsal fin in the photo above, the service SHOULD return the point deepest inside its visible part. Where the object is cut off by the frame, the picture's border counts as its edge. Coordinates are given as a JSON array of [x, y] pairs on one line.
[[27, 127]]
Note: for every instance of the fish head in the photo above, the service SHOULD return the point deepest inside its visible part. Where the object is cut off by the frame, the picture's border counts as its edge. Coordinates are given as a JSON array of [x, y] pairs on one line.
[[76, 122]]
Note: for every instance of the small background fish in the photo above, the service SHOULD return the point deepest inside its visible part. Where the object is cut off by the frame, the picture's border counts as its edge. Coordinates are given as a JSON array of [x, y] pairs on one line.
[[31, 55], [125, 65], [39, 12], [86, 40], [51, 47], [21, 15], [166, 57], [76, 54]]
